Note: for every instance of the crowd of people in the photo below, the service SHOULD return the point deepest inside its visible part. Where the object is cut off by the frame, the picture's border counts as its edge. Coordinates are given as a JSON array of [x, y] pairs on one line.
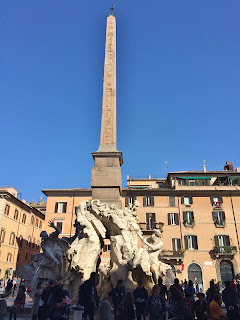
[[179, 301]]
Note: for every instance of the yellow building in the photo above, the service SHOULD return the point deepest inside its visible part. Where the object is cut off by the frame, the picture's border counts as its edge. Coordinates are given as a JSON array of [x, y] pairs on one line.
[[20, 227], [198, 211]]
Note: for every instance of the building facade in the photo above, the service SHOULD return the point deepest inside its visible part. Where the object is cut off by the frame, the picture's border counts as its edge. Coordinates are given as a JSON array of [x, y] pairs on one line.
[[198, 212], [20, 227]]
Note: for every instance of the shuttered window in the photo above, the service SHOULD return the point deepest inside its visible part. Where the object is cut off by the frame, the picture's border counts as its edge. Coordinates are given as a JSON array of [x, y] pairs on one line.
[[61, 207], [191, 242], [188, 218], [176, 244], [186, 200], [130, 200], [173, 219], [172, 201], [148, 201]]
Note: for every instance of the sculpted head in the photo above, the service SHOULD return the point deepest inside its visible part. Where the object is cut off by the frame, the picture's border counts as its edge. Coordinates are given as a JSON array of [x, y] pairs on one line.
[[157, 233], [44, 235], [135, 205]]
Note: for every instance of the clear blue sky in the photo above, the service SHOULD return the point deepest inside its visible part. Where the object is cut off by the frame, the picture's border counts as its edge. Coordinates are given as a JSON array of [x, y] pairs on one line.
[[178, 88]]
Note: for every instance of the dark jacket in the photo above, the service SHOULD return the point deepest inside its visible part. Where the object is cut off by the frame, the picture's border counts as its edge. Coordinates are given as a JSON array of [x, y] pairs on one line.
[[87, 292], [200, 307], [117, 295], [56, 297], [155, 308], [140, 293], [229, 297], [163, 291], [126, 311], [46, 294]]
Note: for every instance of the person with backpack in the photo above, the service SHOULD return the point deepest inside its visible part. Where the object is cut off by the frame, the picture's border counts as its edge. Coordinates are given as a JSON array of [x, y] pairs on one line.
[[88, 296], [201, 307], [125, 310], [156, 308], [117, 294], [230, 299], [56, 300], [140, 298]]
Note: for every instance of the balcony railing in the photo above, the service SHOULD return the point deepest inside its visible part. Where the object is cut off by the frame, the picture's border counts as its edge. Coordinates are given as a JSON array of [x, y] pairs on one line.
[[225, 250], [172, 254], [144, 226], [217, 205]]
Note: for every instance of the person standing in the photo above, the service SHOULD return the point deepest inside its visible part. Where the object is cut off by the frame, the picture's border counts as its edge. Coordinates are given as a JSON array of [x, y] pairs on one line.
[[230, 299], [19, 303], [37, 311], [163, 289], [56, 300], [201, 307], [140, 298], [88, 296], [177, 286], [156, 308], [211, 291], [125, 310], [45, 296], [117, 294], [190, 291]]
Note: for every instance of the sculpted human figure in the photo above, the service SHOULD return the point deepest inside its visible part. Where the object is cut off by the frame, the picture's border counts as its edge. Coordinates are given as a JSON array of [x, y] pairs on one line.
[[51, 249]]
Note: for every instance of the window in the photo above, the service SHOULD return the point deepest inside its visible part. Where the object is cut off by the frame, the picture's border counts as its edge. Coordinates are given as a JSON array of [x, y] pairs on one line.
[[12, 239], [37, 222], [59, 225], [40, 224], [20, 242], [24, 217], [29, 241], [130, 200], [176, 244], [188, 218], [173, 219], [26, 256], [148, 201], [107, 247], [16, 214], [219, 218], [61, 207], [38, 244], [7, 208], [191, 242], [160, 184], [192, 183], [2, 235], [216, 200], [151, 220], [222, 241], [9, 257], [186, 200], [172, 201]]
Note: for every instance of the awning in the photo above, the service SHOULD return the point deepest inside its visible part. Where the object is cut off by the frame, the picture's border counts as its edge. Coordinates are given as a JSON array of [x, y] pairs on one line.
[[195, 178]]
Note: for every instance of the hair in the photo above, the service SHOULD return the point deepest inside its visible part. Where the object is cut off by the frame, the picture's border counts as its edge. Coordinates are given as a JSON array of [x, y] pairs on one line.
[[60, 278], [216, 297], [175, 294], [176, 281], [22, 287], [155, 287], [128, 298], [160, 281], [119, 281], [201, 294], [39, 284], [190, 283], [93, 275], [51, 282], [140, 281], [227, 283]]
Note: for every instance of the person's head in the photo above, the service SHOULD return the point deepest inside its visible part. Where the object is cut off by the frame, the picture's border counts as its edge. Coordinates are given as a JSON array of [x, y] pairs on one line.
[[22, 288], [93, 277], [160, 281], [51, 282], [190, 283], [227, 283], [119, 283], [40, 285], [155, 290], [128, 297], [44, 235], [176, 281], [201, 295], [60, 280], [140, 283], [217, 298], [211, 284]]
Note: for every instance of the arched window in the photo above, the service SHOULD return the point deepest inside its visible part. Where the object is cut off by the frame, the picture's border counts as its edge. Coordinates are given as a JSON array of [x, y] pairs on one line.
[[9, 257], [170, 275], [195, 274], [32, 220], [20, 243], [40, 224], [24, 218], [38, 244], [37, 222]]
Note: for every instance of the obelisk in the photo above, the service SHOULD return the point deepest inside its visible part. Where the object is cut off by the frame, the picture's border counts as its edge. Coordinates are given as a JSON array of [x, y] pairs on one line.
[[106, 178]]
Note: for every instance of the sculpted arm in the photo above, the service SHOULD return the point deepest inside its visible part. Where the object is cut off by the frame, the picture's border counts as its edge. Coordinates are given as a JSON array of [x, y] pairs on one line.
[[48, 252]]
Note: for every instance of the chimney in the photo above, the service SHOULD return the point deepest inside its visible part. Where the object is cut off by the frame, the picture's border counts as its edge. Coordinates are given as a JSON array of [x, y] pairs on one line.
[[149, 177], [128, 177], [204, 168], [228, 166]]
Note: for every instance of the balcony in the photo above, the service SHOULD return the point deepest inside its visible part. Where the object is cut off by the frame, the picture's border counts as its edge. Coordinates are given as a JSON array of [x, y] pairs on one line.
[[220, 251], [148, 228], [173, 255]]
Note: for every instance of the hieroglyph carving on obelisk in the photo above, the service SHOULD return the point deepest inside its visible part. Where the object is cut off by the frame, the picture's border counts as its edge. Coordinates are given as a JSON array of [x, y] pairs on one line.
[[108, 127]]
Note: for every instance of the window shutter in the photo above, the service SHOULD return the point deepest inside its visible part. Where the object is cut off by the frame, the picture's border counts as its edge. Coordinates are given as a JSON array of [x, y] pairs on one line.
[[134, 198], [220, 199], [65, 207], [152, 201], [223, 215], [177, 218], [211, 199], [186, 242], [214, 216], [173, 244], [144, 201], [169, 219], [192, 215], [179, 244], [56, 207], [227, 241], [184, 216], [126, 202], [216, 240], [190, 200], [195, 243], [182, 200]]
